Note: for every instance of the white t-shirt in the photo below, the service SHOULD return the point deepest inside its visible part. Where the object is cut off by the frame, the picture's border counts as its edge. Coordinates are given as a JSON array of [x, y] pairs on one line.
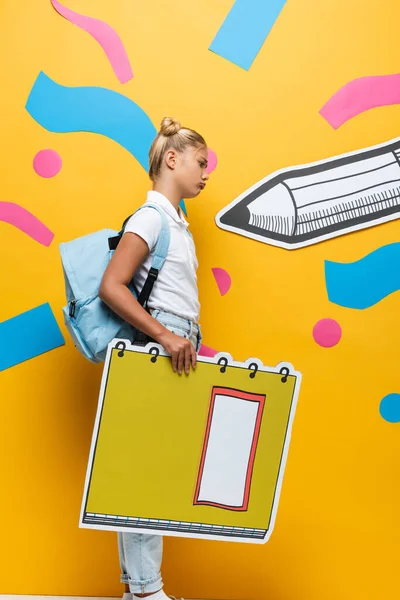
[[175, 290]]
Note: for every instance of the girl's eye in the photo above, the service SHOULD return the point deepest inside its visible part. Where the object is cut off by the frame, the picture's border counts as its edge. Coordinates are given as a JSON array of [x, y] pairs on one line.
[[202, 164]]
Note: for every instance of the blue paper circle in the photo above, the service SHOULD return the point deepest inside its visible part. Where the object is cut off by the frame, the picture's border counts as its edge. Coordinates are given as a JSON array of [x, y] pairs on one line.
[[390, 408]]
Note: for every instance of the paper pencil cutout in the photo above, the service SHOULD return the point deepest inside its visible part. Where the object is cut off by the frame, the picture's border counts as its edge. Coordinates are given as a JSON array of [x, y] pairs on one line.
[[306, 204], [199, 456]]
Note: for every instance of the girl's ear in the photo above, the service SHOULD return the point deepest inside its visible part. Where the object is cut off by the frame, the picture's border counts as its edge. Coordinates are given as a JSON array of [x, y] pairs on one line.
[[170, 159]]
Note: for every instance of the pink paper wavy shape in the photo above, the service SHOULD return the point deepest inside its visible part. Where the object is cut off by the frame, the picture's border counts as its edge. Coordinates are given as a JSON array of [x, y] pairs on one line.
[[105, 35], [19, 217], [223, 280], [360, 95]]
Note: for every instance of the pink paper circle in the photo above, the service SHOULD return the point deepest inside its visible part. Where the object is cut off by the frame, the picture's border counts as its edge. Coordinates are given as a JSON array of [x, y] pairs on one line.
[[212, 161], [327, 333], [47, 163]]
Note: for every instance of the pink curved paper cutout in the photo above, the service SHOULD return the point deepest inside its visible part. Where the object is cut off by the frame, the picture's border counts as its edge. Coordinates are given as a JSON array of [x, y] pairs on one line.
[[223, 280], [19, 217], [360, 95], [105, 35], [207, 351], [212, 161]]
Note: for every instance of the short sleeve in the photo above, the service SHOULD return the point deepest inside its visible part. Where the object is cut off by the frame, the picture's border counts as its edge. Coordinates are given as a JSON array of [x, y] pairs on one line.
[[146, 223]]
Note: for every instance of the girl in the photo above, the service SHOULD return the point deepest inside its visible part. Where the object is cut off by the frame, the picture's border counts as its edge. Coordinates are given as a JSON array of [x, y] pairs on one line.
[[178, 162]]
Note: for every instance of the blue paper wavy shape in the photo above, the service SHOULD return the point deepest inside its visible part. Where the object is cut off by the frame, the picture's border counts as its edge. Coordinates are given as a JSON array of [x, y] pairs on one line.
[[62, 109], [363, 283]]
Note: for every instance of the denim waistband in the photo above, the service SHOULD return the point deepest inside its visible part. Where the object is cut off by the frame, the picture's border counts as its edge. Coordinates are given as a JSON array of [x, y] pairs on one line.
[[175, 320], [190, 330]]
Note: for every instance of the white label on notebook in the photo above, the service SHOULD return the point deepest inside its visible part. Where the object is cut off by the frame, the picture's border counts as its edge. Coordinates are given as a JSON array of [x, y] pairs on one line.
[[229, 449]]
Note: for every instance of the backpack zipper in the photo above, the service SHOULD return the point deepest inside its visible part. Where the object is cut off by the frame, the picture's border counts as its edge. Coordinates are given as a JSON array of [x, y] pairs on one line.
[[72, 309]]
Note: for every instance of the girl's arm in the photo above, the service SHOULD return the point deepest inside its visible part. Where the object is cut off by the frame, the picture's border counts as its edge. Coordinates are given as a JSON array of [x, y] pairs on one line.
[[129, 255]]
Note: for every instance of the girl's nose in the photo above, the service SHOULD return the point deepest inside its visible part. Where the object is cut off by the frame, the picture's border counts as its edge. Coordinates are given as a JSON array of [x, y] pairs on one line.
[[206, 176]]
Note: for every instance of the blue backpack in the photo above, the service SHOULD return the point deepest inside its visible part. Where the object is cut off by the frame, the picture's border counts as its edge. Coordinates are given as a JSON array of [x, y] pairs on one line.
[[90, 322]]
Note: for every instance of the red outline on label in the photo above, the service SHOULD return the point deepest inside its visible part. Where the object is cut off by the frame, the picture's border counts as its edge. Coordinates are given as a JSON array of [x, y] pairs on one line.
[[260, 399]]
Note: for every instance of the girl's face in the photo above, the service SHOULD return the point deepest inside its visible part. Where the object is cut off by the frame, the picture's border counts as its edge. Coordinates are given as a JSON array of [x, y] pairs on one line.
[[190, 171]]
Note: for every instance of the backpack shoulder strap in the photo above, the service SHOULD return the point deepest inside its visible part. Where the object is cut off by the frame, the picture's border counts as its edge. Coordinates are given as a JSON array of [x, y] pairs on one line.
[[162, 246], [160, 251], [159, 256]]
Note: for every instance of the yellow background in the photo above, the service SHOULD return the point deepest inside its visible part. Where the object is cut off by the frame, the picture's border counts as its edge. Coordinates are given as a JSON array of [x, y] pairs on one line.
[[178, 410], [337, 533]]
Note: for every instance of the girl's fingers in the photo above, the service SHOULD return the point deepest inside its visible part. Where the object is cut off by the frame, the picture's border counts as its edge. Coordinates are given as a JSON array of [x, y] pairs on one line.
[[181, 359], [188, 358], [193, 356], [174, 358]]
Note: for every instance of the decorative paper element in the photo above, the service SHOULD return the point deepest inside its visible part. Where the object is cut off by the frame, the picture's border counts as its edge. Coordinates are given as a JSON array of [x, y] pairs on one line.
[[234, 421], [105, 35], [306, 204], [207, 351], [245, 29], [223, 280], [27, 335], [247, 441], [183, 206], [47, 163], [390, 408], [327, 333], [212, 161], [363, 283], [63, 109], [360, 95], [22, 219]]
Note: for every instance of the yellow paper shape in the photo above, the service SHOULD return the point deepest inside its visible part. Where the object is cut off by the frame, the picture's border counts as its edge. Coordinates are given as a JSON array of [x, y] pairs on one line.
[[154, 429]]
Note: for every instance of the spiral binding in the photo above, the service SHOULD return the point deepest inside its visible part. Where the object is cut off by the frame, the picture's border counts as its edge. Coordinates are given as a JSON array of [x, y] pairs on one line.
[[222, 362], [285, 372], [156, 354], [121, 346]]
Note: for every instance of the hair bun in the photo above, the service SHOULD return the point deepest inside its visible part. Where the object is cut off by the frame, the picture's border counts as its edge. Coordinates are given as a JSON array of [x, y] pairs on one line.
[[169, 126]]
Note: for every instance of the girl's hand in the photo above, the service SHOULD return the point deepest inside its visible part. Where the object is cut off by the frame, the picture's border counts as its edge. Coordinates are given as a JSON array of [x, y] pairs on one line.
[[181, 350]]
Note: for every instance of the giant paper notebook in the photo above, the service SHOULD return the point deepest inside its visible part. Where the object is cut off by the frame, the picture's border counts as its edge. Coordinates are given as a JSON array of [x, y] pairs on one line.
[[193, 456]]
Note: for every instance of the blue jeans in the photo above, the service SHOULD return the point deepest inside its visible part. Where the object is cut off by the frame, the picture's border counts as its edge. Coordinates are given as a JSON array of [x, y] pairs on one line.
[[140, 554]]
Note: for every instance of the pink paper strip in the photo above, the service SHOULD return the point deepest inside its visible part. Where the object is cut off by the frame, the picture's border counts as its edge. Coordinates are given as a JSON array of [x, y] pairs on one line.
[[105, 35], [360, 95], [207, 351], [16, 215], [223, 280]]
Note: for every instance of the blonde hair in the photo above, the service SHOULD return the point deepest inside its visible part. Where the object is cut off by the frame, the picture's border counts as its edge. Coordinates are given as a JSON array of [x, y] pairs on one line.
[[171, 135]]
